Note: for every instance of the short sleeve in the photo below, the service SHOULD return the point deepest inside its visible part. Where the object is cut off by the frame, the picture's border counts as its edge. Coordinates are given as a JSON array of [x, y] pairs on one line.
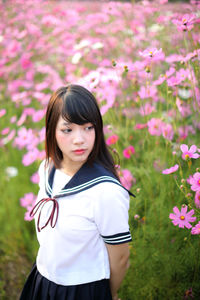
[[111, 213]]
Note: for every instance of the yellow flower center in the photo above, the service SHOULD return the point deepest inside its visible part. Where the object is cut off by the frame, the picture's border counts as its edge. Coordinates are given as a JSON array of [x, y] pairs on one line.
[[199, 181], [187, 156], [182, 217]]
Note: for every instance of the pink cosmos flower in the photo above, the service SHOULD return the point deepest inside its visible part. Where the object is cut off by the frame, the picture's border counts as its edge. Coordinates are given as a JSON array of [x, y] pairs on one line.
[[149, 92], [112, 139], [185, 22], [2, 112], [171, 170], [197, 199], [128, 151], [196, 229], [30, 157], [35, 178], [195, 182], [24, 137], [140, 126], [152, 54], [27, 216], [182, 218], [147, 109], [5, 131], [187, 154], [183, 108], [155, 126], [167, 131], [25, 61], [126, 178], [27, 200]]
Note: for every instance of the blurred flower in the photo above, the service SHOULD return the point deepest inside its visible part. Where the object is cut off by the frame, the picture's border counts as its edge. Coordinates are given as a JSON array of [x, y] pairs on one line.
[[30, 157], [140, 126], [155, 126], [197, 199], [182, 218], [152, 53], [136, 217], [126, 178], [28, 200], [147, 109], [185, 22], [5, 131], [196, 229], [35, 178], [167, 131], [187, 154], [11, 172], [112, 139], [128, 151], [2, 112], [27, 216], [171, 170], [183, 108]]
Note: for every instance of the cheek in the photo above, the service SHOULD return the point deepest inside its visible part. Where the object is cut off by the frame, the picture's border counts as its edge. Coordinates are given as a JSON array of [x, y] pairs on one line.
[[60, 138]]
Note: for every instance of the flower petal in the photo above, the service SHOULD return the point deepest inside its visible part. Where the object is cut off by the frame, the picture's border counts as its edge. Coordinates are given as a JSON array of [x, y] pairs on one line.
[[184, 148], [184, 210], [193, 148], [176, 211], [195, 155]]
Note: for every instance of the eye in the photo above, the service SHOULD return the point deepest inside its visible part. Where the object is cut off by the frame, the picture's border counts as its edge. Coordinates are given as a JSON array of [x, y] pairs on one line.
[[90, 127], [67, 130]]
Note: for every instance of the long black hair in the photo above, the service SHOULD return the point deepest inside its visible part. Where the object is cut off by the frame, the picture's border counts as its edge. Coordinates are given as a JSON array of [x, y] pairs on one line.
[[76, 105]]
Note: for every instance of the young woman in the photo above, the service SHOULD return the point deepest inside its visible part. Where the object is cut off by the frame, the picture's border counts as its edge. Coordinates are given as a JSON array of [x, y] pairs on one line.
[[81, 212]]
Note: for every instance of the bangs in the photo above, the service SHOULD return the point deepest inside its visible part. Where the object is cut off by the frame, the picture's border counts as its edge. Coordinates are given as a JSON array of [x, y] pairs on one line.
[[76, 110]]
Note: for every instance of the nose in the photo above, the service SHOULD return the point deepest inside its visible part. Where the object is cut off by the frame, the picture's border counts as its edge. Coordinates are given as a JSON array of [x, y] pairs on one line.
[[78, 137]]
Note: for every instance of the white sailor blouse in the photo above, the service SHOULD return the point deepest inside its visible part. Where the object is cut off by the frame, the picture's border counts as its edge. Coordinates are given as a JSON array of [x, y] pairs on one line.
[[74, 223]]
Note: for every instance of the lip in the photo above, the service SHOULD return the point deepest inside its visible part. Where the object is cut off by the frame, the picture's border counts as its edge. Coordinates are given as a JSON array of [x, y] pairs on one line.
[[79, 151]]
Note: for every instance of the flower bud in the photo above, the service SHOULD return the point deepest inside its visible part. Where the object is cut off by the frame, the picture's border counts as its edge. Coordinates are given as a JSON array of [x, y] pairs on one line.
[[114, 63], [181, 187], [138, 190], [136, 217], [183, 180]]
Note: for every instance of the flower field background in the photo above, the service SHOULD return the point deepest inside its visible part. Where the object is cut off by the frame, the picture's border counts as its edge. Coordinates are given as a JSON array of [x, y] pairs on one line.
[[142, 61]]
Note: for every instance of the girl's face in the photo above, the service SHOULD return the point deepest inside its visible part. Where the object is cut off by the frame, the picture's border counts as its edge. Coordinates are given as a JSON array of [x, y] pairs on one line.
[[75, 141]]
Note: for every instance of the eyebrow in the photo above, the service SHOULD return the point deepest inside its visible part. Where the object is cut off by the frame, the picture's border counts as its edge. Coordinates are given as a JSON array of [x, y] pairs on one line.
[[65, 123]]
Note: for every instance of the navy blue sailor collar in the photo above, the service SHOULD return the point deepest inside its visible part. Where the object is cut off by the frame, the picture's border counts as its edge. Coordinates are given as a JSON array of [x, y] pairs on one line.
[[86, 177]]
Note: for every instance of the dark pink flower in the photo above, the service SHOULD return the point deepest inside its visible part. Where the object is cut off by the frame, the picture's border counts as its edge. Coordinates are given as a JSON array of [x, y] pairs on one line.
[[196, 229], [182, 218], [171, 170], [140, 126], [128, 151], [189, 153], [112, 139]]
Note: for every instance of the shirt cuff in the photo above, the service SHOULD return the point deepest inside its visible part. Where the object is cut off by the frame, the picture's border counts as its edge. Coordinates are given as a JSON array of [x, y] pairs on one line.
[[117, 239]]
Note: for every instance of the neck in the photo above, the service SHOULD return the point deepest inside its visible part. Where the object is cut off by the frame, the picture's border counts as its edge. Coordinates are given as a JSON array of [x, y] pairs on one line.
[[70, 169]]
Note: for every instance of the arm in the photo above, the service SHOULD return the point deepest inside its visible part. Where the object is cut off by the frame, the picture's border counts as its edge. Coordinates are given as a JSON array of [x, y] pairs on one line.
[[119, 262]]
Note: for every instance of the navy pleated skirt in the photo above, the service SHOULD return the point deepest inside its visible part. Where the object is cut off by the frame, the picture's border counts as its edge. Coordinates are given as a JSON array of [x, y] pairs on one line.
[[37, 287]]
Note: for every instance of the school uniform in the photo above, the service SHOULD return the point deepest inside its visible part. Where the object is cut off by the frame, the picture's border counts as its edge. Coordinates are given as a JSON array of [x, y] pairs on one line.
[[75, 217]]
